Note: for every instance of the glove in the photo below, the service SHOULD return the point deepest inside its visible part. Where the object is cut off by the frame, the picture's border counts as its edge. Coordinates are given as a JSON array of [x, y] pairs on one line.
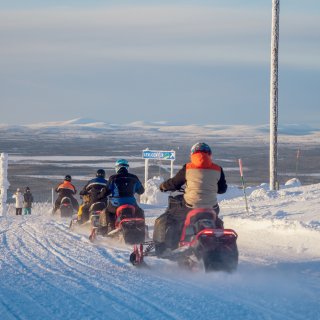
[[161, 187]]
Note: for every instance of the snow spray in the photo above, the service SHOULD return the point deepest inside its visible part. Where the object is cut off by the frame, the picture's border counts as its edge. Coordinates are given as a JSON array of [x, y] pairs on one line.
[[243, 184]]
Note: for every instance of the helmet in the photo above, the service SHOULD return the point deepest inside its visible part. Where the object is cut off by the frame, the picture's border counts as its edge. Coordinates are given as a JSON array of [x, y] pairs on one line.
[[67, 178], [121, 163], [101, 173], [200, 147]]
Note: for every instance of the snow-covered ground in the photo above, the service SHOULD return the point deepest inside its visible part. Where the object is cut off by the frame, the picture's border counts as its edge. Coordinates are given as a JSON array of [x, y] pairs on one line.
[[49, 272]]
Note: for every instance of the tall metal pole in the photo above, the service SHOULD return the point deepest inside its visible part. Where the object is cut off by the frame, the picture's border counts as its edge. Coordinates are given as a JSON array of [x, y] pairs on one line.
[[274, 94]]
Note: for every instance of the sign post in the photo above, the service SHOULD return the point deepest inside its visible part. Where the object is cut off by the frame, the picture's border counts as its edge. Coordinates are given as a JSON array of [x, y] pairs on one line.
[[157, 155]]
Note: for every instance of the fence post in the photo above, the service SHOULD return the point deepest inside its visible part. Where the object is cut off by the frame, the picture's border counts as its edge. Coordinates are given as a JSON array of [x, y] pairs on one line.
[[52, 197], [4, 184]]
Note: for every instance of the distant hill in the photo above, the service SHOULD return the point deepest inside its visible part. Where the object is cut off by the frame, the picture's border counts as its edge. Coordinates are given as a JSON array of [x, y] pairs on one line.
[[90, 128]]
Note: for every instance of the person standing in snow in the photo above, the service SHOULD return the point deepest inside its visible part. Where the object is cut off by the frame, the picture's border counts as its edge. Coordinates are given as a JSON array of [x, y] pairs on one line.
[[18, 196], [27, 201], [203, 180], [68, 190]]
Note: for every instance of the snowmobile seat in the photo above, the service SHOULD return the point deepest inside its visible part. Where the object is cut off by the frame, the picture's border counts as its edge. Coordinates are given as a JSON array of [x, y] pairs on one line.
[[196, 221]]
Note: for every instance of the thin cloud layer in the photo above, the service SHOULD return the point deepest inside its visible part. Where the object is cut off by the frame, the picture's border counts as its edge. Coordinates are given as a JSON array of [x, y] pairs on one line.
[[187, 34]]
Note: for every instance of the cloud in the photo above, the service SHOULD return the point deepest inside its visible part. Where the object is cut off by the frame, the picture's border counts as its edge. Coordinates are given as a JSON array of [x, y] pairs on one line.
[[187, 34]]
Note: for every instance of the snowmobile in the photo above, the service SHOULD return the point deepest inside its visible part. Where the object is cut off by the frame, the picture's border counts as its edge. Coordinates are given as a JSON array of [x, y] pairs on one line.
[[200, 240], [97, 220], [129, 226], [66, 208], [93, 218]]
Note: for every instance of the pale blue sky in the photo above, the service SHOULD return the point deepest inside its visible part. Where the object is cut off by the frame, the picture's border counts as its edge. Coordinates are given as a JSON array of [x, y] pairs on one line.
[[203, 62]]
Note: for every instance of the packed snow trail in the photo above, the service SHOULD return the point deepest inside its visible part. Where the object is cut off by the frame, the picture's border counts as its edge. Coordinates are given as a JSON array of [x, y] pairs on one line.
[[50, 272]]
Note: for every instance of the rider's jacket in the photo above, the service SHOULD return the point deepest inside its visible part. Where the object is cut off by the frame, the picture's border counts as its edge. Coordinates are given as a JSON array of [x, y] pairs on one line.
[[96, 183], [203, 180], [66, 189], [93, 188], [122, 188]]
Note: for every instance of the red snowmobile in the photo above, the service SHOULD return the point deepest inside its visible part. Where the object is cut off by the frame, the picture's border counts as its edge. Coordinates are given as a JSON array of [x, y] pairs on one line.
[[201, 240], [129, 226]]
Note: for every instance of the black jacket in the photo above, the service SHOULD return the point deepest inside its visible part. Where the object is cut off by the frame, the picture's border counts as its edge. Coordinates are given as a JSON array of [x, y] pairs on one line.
[[28, 199], [93, 188]]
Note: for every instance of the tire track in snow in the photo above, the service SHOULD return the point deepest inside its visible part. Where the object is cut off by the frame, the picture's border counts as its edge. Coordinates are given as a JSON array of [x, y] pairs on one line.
[[123, 258], [20, 256], [65, 264], [41, 244]]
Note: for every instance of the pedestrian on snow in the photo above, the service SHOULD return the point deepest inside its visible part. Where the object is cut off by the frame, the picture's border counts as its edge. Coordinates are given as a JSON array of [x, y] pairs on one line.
[[18, 196], [27, 201]]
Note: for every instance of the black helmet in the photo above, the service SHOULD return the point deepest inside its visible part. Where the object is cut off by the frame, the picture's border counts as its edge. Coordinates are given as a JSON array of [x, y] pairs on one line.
[[67, 178], [101, 173]]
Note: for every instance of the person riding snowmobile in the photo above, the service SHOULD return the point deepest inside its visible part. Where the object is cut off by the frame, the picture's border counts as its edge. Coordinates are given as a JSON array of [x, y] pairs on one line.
[[66, 189], [91, 193], [203, 180], [121, 190]]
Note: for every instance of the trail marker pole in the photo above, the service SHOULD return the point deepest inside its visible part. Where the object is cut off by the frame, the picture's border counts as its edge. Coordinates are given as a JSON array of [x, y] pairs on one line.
[[52, 197], [4, 184], [243, 184], [297, 161]]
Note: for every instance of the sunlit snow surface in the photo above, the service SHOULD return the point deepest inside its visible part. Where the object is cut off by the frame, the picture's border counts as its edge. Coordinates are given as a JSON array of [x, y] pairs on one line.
[[50, 272]]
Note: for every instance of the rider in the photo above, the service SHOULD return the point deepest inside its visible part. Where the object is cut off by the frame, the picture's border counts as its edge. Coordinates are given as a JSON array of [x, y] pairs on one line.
[[66, 189], [91, 193], [203, 180], [121, 190]]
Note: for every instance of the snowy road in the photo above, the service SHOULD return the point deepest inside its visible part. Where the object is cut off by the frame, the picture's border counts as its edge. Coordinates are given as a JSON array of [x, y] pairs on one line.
[[49, 272]]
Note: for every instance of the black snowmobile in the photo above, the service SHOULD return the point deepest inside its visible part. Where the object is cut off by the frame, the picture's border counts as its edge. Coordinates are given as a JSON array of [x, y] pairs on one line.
[[97, 220], [201, 240], [66, 208], [93, 218]]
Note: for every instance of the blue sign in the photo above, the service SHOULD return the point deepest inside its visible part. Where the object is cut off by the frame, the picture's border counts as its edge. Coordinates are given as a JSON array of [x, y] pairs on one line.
[[159, 155]]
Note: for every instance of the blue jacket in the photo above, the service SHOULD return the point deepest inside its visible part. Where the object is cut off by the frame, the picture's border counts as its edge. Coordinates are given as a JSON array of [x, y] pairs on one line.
[[122, 188], [94, 186]]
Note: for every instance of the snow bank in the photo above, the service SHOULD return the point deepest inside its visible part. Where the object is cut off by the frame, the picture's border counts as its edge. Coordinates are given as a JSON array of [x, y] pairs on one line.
[[293, 183], [152, 194]]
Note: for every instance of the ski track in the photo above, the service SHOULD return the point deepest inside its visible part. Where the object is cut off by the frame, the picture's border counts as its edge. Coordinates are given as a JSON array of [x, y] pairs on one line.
[[50, 272], [81, 273]]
